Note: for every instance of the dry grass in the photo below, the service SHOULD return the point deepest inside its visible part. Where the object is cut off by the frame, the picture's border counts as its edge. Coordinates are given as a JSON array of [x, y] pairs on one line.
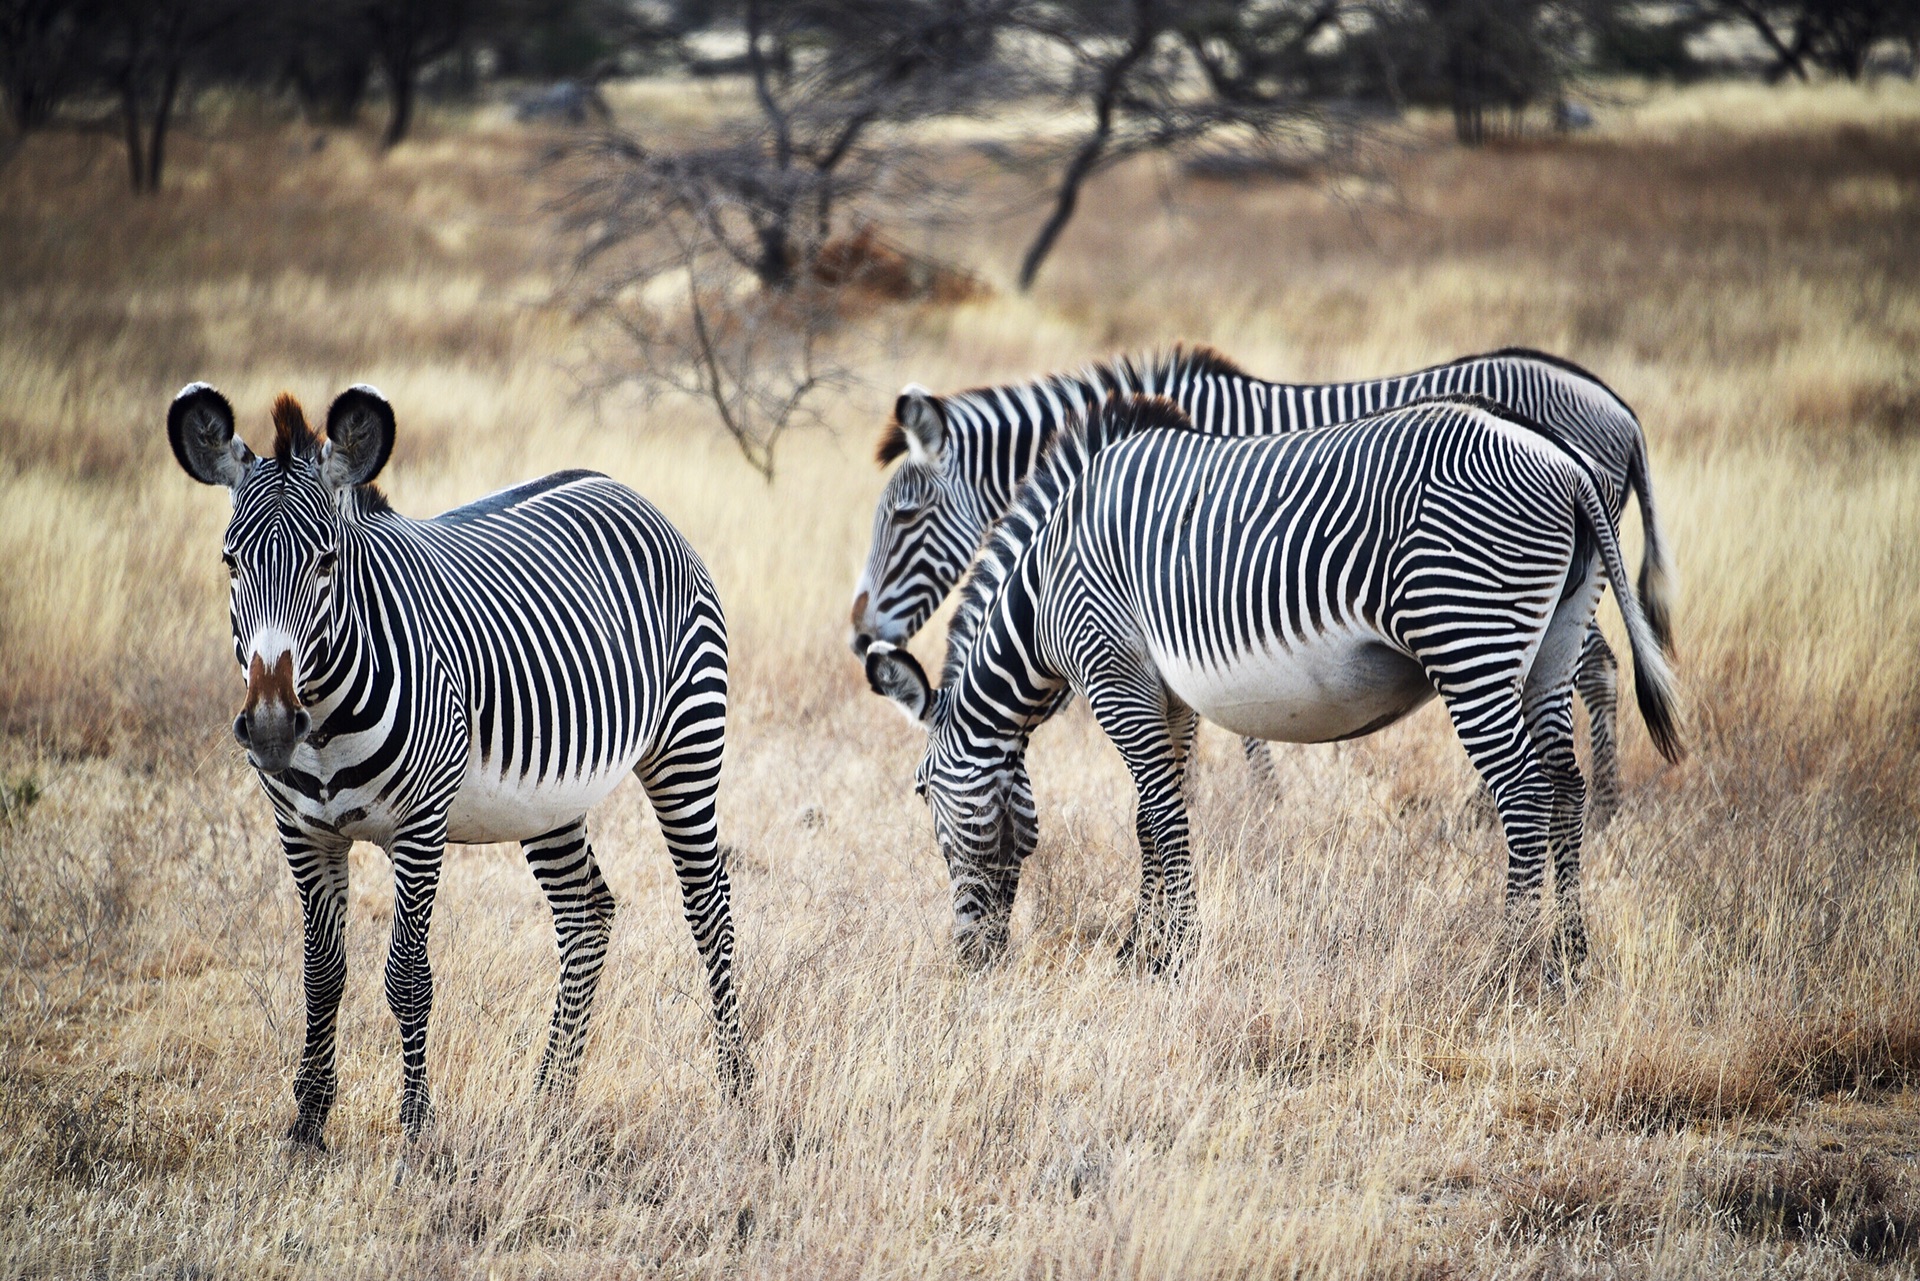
[[1343, 1084]]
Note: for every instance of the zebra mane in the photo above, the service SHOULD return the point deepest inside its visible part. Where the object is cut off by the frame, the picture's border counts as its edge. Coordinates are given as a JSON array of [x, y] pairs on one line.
[[1061, 464], [294, 439], [369, 500], [1155, 373]]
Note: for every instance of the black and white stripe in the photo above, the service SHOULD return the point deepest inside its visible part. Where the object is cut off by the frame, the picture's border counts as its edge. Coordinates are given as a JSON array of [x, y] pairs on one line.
[[1308, 587], [965, 456], [486, 675]]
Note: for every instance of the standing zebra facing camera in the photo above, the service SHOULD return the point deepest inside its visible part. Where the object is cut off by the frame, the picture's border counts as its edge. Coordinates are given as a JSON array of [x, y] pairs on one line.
[[964, 456], [489, 674], [1303, 588]]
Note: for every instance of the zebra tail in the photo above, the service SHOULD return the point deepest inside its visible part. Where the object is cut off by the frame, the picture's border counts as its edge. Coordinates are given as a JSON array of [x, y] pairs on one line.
[[1653, 683], [1656, 577]]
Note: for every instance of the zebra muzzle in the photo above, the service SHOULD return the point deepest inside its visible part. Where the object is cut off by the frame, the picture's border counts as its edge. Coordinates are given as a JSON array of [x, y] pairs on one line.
[[861, 637], [273, 722]]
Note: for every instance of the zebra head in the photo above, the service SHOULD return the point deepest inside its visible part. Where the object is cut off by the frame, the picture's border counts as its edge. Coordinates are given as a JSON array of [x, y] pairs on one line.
[[282, 547], [925, 527], [977, 789]]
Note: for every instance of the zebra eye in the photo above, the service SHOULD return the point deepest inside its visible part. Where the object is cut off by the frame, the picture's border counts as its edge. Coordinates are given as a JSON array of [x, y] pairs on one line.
[[324, 567], [233, 566]]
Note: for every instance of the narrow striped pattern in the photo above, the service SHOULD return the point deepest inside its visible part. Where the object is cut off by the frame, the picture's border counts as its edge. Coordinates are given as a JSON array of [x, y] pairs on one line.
[[1310, 586], [940, 500], [485, 675]]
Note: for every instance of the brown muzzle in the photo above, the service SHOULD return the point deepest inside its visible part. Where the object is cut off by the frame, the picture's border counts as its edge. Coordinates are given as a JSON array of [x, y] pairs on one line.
[[861, 638], [273, 721]]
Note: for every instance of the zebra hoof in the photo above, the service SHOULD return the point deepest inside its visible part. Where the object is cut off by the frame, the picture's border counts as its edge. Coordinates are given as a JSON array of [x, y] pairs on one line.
[[981, 948], [1168, 964], [1562, 964], [555, 1083], [1157, 960], [306, 1134], [416, 1115], [1599, 814], [736, 1073]]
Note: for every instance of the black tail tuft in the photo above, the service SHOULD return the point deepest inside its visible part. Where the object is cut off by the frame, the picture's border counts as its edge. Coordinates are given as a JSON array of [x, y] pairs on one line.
[[1658, 711]]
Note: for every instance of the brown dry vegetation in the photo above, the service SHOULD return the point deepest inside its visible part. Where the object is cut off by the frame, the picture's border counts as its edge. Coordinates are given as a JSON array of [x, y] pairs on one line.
[[1342, 1083]]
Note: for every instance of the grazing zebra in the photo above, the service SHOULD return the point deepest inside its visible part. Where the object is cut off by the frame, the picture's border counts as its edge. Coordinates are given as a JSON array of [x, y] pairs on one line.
[[1307, 588], [966, 455], [486, 675]]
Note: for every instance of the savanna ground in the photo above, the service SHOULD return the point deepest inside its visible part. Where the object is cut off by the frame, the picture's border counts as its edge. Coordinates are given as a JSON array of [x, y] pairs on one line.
[[1341, 1083]]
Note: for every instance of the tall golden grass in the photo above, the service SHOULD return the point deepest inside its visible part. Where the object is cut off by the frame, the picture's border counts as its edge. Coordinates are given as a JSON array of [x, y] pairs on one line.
[[1346, 1081]]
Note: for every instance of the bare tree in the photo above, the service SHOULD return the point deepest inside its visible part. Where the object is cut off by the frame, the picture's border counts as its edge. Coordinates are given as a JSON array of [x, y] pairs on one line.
[[143, 53], [1160, 75], [407, 35], [1837, 36], [326, 53], [42, 56], [1479, 58], [706, 254]]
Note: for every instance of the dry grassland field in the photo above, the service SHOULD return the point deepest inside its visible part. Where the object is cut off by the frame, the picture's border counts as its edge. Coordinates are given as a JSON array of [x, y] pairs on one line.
[[1342, 1082]]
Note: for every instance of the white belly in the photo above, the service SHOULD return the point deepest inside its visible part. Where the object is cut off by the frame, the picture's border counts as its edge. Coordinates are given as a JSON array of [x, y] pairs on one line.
[[1323, 688], [491, 808], [487, 807]]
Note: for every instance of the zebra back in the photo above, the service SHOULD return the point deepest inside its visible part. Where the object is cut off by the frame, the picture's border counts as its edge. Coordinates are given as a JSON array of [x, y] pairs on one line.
[[938, 505]]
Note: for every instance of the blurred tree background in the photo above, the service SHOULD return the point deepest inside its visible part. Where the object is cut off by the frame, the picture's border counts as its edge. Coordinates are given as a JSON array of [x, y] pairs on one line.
[[1146, 73], [724, 253]]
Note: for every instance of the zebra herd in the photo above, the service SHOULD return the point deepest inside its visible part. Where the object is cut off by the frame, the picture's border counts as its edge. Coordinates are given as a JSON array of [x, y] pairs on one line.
[[1169, 539]]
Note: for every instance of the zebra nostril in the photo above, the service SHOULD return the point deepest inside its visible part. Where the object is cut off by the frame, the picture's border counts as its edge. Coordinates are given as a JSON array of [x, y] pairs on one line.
[[240, 730], [861, 644], [302, 722]]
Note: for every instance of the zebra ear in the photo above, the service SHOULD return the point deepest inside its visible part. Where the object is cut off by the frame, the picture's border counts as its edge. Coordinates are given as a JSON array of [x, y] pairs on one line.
[[897, 674], [200, 429], [359, 437], [923, 423]]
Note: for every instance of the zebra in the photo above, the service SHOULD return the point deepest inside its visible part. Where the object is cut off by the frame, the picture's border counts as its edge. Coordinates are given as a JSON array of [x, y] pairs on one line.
[[1308, 587], [489, 674], [965, 455]]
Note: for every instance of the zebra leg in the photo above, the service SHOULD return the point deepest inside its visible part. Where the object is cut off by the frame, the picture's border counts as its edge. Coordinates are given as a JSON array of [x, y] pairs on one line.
[[1136, 712], [1493, 729], [1148, 908], [1020, 819], [320, 874], [1552, 731], [417, 855], [1598, 681], [1149, 912], [682, 778], [583, 908], [1260, 760]]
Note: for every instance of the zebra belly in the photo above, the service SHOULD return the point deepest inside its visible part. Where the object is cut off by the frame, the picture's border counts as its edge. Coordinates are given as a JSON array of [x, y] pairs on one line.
[[1333, 686], [489, 807]]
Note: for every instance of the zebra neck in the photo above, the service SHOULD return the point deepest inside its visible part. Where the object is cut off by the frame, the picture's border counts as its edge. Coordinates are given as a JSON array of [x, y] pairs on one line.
[[1001, 688], [373, 625], [999, 433]]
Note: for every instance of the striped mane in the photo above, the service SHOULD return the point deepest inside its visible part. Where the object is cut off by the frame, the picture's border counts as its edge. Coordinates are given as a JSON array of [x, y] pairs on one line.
[[1157, 373], [1063, 463], [294, 439]]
